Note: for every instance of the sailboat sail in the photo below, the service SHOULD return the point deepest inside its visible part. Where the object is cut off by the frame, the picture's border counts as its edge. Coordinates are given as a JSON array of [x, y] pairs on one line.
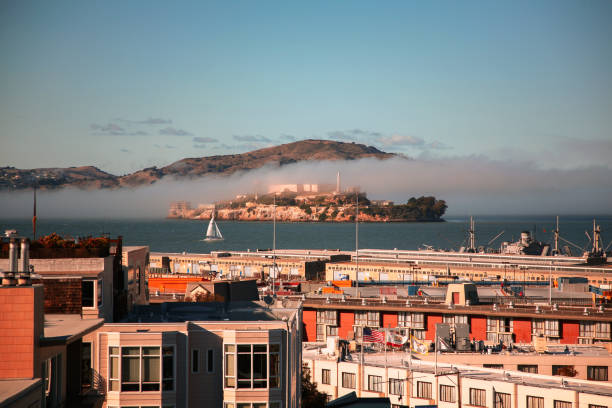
[[213, 232]]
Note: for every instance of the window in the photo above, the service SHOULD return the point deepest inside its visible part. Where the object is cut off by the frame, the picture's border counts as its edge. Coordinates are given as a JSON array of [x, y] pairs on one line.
[[548, 328], [210, 361], [329, 317], [348, 380], [503, 400], [168, 368], [230, 365], [366, 318], [325, 376], [375, 383], [447, 393], [87, 293], [562, 404], [327, 320], [602, 330], [423, 389], [248, 365], [587, 329], [113, 369], [195, 361], [141, 369], [454, 319], [597, 373], [478, 397], [99, 290], [535, 402], [564, 370], [528, 368], [499, 329], [496, 366], [396, 386], [274, 365], [412, 320], [597, 406]]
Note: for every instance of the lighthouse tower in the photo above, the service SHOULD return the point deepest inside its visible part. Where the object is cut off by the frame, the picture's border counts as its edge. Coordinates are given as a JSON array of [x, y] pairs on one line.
[[338, 183]]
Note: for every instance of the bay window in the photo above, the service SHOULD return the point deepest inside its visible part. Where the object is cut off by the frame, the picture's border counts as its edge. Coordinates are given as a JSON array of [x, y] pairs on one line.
[[252, 365], [141, 368]]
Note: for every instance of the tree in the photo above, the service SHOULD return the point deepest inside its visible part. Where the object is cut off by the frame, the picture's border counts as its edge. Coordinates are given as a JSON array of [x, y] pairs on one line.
[[311, 397]]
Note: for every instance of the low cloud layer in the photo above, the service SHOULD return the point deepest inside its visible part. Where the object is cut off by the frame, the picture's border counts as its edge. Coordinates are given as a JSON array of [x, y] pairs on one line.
[[470, 185]]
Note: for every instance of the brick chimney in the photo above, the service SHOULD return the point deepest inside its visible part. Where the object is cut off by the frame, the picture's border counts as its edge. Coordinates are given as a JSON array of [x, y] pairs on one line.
[[21, 321]]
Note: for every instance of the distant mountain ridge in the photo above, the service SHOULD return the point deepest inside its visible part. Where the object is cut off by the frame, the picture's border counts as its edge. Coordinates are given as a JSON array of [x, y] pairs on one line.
[[89, 177]]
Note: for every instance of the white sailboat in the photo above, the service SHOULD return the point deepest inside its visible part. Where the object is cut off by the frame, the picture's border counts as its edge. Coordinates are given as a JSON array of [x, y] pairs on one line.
[[213, 233]]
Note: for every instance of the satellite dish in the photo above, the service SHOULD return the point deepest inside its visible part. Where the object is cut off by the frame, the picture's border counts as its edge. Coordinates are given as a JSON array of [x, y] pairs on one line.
[[269, 300]]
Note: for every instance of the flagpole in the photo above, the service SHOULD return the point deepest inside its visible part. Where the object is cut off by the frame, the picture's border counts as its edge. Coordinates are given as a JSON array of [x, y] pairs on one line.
[[436, 351], [385, 344], [361, 364], [410, 348]]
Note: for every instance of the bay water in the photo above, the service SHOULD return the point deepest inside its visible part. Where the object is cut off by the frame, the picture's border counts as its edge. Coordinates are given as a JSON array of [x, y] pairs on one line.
[[164, 235]]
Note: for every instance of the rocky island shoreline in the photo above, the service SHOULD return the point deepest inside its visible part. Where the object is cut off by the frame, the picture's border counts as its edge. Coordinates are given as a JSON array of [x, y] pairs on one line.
[[322, 208]]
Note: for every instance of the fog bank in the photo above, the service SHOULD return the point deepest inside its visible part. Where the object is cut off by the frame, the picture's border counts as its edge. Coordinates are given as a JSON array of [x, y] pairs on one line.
[[470, 185]]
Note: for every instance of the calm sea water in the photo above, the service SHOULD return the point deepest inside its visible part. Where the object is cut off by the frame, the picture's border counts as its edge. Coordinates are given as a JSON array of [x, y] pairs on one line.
[[186, 235]]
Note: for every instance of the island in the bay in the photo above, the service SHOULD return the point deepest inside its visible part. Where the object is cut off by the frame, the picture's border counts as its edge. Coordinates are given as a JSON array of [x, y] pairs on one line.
[[312, 203]]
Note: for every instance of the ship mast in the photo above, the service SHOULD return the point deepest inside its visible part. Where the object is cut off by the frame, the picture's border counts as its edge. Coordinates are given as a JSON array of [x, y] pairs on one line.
[[556, 251], [472, 236]]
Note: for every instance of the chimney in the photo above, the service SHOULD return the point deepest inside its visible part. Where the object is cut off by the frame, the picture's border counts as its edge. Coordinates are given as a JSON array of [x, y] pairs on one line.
[[13, 255], [23, 278]]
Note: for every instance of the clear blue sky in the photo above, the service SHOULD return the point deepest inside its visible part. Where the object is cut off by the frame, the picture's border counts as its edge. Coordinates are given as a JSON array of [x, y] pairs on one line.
[[129, 84]]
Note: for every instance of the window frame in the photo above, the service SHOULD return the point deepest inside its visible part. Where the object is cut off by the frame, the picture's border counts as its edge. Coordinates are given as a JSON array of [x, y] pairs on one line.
[[195, 361], [478, 397], [375, 383], [348, 379], [597, 373], [394, 385], [252, 353], [326, 376], [448, 393], [424, 390]]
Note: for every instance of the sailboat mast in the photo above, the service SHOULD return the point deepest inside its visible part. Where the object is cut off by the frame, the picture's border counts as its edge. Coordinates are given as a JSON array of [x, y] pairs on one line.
[[34, 216]]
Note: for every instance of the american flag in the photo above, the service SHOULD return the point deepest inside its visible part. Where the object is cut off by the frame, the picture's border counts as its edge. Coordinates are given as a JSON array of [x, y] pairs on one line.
[[373, 336]]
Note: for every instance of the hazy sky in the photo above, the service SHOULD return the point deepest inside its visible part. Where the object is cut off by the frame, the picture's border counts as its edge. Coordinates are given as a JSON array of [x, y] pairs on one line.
[[124, 85]]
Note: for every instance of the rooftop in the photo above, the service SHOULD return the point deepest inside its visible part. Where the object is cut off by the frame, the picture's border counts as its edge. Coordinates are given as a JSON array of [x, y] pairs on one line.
[[65, 328], [213, 311], [401, 360], [12, 390]]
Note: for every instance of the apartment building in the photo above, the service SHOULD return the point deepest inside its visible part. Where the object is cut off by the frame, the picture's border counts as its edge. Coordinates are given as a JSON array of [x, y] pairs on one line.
[[420, 383], [225, 355]]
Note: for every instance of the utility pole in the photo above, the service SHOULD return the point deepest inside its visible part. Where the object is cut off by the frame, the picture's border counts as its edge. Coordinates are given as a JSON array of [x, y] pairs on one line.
[[274, 248]]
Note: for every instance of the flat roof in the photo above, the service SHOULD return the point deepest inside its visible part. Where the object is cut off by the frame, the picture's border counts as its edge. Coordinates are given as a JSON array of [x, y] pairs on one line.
[[177, 312], [12, 390], [400, 360], [65, 328]]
